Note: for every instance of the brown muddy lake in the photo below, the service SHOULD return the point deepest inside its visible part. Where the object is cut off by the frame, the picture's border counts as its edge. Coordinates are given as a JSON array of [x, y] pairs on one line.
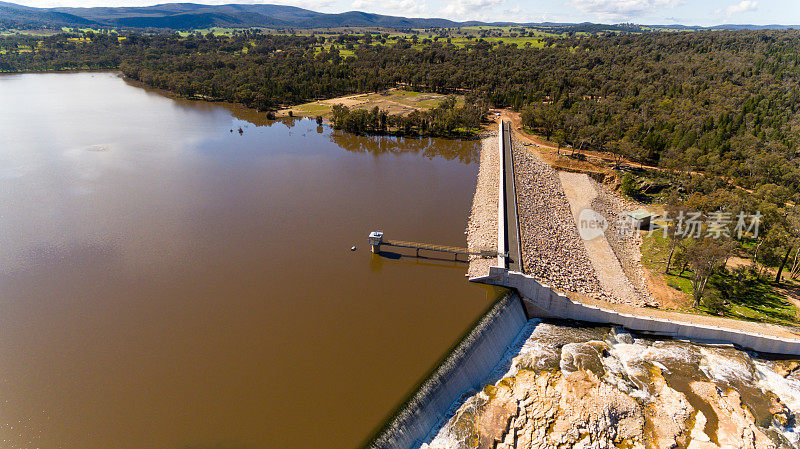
[[167, 282]]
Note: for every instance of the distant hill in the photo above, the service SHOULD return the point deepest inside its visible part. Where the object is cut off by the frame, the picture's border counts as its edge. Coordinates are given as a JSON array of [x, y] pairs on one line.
[[185, 16], [181, 16], [24, 15]]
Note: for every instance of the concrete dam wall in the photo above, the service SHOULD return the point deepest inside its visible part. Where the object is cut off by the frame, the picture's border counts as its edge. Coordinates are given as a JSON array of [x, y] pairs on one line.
[[541, 301], [463, 372]]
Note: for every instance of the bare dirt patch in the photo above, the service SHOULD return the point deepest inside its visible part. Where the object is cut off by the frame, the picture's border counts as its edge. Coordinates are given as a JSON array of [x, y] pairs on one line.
[[668, 297], [551, 153]]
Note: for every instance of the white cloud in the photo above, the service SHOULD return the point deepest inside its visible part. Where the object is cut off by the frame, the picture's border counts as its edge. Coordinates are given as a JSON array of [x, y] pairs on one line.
[[520, 15], [309, 4], [399, 7], [621, 9], [468, 9], [742, 6]]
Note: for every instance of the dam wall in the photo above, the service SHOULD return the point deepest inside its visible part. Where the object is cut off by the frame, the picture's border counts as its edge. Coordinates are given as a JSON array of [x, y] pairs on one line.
[[502, 246], [541, 301], [463, 372]]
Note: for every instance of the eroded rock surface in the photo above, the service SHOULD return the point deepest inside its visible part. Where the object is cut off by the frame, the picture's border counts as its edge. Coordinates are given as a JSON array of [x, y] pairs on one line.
[[603, 388]]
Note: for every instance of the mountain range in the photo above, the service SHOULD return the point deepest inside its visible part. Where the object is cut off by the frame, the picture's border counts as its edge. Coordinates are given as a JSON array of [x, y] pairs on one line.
[[184, 16]]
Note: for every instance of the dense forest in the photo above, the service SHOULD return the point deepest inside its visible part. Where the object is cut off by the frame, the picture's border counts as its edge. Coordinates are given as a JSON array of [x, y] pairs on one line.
[[717, 111]]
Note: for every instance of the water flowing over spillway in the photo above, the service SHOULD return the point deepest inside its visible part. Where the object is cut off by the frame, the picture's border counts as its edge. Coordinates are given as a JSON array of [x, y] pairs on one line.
[[576, 386]]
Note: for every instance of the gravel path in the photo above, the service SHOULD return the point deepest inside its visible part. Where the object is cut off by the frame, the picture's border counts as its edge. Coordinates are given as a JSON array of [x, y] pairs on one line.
[[482, 225], [580, 193], [625, 244]]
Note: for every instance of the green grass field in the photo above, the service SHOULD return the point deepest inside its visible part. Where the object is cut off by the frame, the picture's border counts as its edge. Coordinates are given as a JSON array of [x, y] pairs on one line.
[[16, 32], [742, 297], [490, 28], [312, 109], [520, 41]]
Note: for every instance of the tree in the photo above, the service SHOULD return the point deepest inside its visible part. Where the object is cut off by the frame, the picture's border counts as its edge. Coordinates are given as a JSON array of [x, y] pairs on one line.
[[795, 265], [541, 117], [791, 228], [704, 256], [621, 149], [673, 234], [783, 263]]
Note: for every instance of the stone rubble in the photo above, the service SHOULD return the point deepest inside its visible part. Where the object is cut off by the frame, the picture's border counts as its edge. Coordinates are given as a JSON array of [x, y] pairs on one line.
[[482, 226], [553, 251]]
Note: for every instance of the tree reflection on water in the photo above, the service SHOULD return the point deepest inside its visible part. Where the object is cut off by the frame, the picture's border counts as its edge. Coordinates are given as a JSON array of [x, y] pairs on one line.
[[461, 150]]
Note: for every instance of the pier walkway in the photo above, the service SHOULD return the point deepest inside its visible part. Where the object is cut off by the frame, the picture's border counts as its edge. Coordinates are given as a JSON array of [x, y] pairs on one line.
[[376, 240]]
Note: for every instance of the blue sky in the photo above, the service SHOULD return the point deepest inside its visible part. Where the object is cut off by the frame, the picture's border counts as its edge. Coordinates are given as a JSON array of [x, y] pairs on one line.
[[687, 12]]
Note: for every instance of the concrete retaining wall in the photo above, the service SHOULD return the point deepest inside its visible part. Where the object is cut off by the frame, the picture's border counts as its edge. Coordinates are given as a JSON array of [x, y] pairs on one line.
[[463, 372], [541, 301], [501, 203]]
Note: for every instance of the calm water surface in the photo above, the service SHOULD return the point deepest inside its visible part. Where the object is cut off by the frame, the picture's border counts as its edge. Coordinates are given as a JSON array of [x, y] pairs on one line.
[[168, 283]]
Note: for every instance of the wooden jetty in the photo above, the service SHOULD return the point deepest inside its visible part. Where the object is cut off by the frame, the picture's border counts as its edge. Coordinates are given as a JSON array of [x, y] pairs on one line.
[[376, 240]]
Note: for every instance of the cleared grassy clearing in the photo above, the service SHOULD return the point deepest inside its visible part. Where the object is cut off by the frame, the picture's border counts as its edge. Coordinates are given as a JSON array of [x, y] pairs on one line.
[[507, 30], [38, 32], [520, 41], [729, 294], [394, 101]]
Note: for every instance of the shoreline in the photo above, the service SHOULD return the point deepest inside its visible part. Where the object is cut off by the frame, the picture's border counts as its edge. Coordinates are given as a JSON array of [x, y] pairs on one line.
[[482, 223], [280, 113], [14, 72]]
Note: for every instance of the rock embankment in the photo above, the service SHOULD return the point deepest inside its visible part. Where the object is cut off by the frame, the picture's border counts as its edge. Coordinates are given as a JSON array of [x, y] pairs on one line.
[[482, 225], [553, 251]]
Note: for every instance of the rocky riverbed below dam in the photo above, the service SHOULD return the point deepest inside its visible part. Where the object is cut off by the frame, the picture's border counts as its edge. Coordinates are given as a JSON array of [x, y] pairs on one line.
[[572, 386]]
